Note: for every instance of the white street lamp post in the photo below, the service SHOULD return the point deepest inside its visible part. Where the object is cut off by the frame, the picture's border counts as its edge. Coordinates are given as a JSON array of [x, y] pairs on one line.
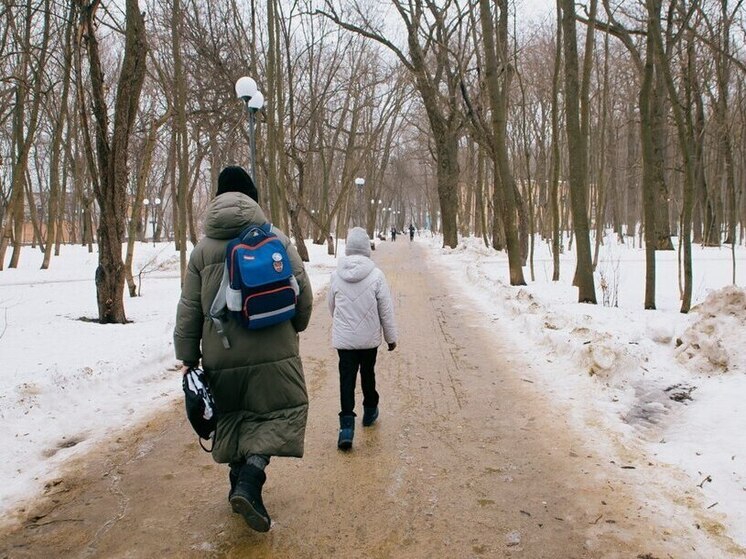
[[246, 91]]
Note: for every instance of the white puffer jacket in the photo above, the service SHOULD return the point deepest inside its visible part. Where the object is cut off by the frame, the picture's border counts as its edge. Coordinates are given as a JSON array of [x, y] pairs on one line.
[[360, 303]]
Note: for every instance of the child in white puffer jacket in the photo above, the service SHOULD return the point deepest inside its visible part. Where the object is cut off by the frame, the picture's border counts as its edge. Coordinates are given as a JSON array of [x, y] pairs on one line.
[[361, 307]]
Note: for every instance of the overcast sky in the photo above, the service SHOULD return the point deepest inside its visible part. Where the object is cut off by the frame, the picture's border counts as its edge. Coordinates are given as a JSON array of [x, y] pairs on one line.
[[534, 8]]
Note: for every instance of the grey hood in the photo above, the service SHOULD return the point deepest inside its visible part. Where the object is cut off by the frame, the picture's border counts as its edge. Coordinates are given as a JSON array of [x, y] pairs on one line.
[[354, 268]]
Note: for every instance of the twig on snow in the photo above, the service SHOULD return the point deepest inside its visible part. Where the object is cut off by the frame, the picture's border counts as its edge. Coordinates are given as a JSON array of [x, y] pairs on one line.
[[708, 478]]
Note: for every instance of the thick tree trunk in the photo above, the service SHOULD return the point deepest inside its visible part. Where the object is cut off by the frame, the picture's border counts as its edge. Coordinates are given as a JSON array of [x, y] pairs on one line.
[[578, 159], [685, 132], [110, 175], [447, 176], [722, 117], [657, 117], [495, 52]]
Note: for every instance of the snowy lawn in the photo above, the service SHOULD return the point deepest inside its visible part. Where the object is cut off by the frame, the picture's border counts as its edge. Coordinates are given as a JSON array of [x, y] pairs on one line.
[[69, 382], [669, 384]]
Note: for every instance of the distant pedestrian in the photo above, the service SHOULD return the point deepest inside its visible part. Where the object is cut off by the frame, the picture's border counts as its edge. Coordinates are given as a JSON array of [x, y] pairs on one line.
[[393, 233], [361, 307], [411, 232]]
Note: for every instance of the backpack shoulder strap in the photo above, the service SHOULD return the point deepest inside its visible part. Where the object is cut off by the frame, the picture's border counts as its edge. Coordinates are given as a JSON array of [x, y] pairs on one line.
[[217, 309]]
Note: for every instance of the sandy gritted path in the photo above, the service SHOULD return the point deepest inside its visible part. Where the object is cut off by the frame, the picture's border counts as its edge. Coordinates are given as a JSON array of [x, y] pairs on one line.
[[466, 460]]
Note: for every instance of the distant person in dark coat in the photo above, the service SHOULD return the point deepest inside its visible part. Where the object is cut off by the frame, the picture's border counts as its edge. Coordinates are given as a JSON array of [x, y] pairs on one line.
[[411, 232]]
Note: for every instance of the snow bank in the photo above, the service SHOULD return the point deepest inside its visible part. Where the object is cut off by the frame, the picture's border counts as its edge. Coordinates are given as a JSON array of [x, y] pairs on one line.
[[713, 343]]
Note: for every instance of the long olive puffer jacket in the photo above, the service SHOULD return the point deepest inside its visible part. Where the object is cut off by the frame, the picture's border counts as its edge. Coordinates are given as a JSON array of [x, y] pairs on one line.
[[258, 384]]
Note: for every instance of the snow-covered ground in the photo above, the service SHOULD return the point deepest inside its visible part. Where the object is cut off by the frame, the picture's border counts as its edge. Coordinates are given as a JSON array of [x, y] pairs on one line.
[[669, 384]]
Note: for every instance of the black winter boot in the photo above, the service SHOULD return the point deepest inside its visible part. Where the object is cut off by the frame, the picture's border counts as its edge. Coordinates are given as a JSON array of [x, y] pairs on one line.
[[247, 498], [233, 473], [346, 432]]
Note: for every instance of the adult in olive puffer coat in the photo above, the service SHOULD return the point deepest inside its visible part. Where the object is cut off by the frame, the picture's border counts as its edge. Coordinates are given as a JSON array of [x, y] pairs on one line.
[[258, 383]]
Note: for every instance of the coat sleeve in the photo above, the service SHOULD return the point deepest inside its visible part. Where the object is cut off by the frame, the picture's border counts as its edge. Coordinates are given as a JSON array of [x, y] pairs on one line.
[[386, 311], [189, 316], [304, 305], [330, 298]]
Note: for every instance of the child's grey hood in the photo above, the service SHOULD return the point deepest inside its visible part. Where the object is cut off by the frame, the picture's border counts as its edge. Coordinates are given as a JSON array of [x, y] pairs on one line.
[[354, 268]]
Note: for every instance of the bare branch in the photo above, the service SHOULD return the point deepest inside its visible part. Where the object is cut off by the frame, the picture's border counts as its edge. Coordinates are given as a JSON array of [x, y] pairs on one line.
[[333, 16]]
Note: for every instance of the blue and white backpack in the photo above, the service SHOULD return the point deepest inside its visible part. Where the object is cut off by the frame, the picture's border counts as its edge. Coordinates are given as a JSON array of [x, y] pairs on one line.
[[258, 287]]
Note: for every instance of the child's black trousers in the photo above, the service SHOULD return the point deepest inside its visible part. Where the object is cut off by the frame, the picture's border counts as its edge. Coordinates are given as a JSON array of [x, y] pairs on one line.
[[350, 361]]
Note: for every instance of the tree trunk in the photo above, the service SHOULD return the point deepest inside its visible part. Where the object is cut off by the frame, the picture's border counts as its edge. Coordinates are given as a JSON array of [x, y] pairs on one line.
[[578, 159], [480, 194], [632, 190], [182, 137], [648, 170], [722, 63], [498, 93], [110, 175], [57, 154], [606, 148], [657, 116], [137, 204], [272, 188], [555, 163], [685, 134]]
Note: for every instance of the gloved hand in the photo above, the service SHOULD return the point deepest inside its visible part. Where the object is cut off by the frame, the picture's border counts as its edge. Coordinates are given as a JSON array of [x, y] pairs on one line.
[[392, 346]]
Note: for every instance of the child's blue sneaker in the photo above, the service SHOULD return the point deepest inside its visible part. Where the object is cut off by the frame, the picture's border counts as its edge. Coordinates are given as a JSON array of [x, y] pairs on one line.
[[369, 416]]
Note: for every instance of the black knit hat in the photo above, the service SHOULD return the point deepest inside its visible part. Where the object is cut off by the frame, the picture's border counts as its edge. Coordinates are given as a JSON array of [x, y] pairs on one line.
[[235, 179]]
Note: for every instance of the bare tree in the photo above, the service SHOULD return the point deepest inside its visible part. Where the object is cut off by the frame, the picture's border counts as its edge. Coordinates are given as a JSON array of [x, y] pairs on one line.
[[682, 109], [494, 51], [28, 99], [109, 168], [57, 154], [578, 158]]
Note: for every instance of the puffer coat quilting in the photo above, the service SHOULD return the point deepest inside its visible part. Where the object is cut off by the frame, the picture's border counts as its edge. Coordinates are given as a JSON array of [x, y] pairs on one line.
[[360, 303], [258, 383]]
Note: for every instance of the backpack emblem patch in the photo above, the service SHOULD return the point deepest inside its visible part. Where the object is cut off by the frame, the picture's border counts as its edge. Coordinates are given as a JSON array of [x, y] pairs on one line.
[[277, 262]]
